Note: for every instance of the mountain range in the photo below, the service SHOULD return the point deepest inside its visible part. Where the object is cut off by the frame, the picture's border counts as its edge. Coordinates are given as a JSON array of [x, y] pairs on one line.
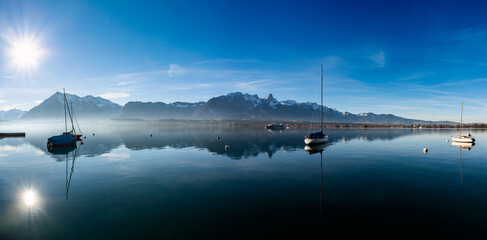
[[233, 106], [12, 114], [84, 107]]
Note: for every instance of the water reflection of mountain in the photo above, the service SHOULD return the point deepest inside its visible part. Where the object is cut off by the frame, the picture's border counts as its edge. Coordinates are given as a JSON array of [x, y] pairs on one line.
[[92, 146], [243, 142]]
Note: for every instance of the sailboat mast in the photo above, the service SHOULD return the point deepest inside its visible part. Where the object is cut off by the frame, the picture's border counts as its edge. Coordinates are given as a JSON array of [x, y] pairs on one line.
[[461, 120], [71, 117], [321, 96], [65, 120]]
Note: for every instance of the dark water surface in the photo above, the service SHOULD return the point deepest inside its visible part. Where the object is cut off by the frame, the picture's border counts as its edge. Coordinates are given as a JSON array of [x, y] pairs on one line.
[[182, 183]]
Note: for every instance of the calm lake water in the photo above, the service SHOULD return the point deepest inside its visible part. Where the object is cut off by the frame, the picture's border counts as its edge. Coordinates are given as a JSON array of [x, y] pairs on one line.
[[182, 183]]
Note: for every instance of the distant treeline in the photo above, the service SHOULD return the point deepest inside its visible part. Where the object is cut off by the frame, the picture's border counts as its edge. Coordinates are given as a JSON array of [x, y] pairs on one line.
[[263, 123], [372, 125]]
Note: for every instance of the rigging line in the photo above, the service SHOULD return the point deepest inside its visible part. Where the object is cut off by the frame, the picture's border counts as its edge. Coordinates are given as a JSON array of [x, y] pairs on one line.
[[77, 124], [71, 118], [65, 103]]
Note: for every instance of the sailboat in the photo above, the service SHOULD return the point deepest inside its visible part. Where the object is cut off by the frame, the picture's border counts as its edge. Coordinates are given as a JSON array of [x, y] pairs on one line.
[[318, 137], [463, 138], [67, 138]]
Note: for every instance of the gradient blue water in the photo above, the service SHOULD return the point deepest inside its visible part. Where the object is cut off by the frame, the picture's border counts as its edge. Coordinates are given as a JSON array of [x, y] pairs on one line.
[[182, 183]]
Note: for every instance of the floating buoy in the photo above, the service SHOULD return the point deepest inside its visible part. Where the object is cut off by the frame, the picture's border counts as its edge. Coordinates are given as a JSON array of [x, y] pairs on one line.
[[227, 147], [81, 143], [217, 137], [84, 137], [425, 150], [93, 134], [447, 140], [151, 135]]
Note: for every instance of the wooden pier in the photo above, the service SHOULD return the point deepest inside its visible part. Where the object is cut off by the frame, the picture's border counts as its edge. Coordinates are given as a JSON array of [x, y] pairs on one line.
[[9, 135]]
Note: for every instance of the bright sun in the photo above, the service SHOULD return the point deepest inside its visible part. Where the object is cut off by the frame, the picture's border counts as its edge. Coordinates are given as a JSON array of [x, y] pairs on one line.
[[25, 53], [30, 198]]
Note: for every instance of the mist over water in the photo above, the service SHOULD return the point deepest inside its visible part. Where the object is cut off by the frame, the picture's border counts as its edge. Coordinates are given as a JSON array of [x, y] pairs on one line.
[[154, 180]]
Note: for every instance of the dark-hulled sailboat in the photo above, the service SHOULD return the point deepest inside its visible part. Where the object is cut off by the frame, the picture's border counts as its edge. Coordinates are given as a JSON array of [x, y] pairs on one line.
[[67, 138]]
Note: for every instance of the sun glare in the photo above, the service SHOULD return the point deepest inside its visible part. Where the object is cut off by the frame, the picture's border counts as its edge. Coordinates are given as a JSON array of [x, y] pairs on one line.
[[25, 53], [24, 50], [30, 198]]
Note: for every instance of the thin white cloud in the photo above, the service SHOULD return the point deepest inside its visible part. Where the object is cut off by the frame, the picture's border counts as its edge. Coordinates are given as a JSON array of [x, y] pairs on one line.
[[332, 62], [379, 59], [115, 95], [3, 101], [191, 86], [124, 83], [416, 76], [246, 84], [175, 69]]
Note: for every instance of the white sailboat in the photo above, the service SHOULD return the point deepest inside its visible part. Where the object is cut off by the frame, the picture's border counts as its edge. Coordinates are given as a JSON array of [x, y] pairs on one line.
[[462, 138], [318, 137]]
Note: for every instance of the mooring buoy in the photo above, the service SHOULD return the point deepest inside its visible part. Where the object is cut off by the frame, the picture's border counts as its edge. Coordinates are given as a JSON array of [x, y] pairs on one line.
[[425, 150], [227, 147]]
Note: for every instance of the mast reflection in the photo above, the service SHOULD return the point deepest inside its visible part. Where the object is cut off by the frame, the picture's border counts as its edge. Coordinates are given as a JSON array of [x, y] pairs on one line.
[[66, 150], [314, 149], [462, 146]]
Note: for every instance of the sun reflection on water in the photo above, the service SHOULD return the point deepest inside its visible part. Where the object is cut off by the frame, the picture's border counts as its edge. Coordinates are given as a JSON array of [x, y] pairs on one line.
[[30, 198]]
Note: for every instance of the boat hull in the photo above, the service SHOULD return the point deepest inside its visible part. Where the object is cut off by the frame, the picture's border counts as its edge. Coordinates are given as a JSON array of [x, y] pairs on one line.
[[64, 139], [311, 141], [463, 139]]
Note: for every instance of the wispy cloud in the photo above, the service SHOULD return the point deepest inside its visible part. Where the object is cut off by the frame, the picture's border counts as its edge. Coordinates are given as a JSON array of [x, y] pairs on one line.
[[332, 62], [2, 101], [191, 86], [112, 95], [175, 69], [416, 76], [247, 84], [379, 59], [461, 61], [124, 83]]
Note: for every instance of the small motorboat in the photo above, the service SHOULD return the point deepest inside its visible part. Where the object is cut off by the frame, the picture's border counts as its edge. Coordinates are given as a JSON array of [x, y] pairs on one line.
[[276, 126]]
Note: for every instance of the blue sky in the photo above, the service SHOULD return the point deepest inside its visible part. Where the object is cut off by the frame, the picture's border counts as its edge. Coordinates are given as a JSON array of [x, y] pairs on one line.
[[416, 59]]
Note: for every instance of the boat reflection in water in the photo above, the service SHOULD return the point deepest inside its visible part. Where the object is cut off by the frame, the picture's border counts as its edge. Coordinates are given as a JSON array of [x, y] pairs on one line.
[[70, 152], [462, 146], [313, 149]]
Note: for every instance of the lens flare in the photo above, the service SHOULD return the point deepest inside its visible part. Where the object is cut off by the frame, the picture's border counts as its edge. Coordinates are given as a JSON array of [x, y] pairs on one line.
[[25, 54], [24, 49], [30, 198]]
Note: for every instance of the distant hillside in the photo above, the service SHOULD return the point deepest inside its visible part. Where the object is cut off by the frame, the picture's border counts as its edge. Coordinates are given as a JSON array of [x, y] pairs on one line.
[[159, 110], [239, 106], [12, 114], [84, 107]]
